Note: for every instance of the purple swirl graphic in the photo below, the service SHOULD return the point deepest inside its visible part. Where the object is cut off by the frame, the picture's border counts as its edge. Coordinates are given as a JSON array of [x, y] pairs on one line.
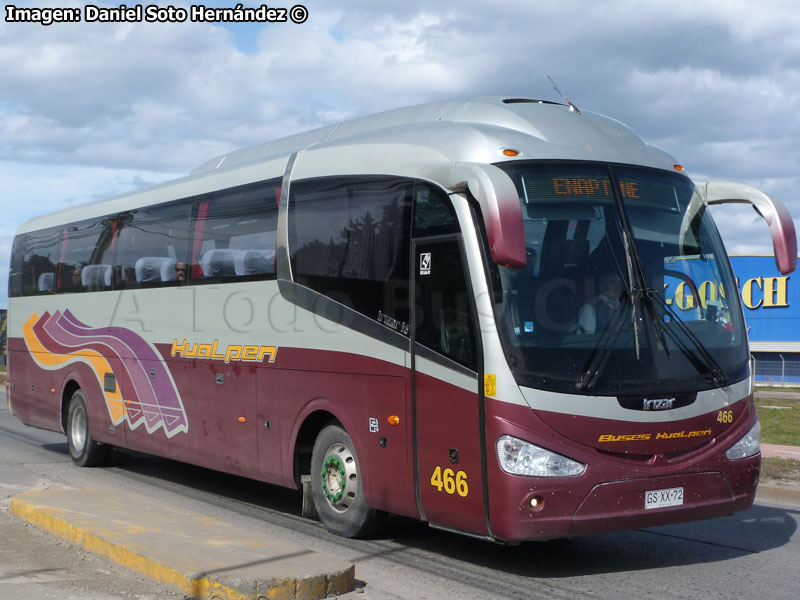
[[149, 393]]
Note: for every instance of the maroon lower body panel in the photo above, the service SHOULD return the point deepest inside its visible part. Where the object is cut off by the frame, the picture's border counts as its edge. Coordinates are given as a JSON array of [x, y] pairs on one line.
[[610, 494], [620, 504], [566, 509]]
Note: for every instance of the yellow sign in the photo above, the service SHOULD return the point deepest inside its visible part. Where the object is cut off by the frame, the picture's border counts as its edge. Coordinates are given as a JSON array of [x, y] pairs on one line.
[[757, 292], [489, 384], [773, 292]]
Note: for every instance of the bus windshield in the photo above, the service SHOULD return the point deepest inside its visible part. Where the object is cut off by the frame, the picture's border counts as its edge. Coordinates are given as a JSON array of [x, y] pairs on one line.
[[627, 287]]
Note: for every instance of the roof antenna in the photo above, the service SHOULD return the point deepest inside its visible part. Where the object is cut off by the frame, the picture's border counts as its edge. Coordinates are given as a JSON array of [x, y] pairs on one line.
[[572, 107]]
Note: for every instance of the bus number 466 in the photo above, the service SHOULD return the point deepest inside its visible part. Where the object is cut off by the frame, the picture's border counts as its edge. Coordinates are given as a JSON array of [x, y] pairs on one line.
[[450, 481]]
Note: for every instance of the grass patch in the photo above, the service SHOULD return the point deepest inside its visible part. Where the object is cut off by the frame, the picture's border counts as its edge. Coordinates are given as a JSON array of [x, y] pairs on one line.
[[780, 468], [780, 426]]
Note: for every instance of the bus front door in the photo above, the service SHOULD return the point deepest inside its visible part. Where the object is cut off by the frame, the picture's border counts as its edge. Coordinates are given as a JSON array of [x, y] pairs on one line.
[[448, 425]]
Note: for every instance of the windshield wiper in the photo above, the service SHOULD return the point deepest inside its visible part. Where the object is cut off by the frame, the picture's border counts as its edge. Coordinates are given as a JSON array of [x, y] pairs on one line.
[[703, 361], [602, 351], [638, 293], [632, 258], [636, 279]]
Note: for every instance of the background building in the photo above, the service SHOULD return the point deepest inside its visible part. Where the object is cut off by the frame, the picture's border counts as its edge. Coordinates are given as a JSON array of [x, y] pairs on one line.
[[773, 318]]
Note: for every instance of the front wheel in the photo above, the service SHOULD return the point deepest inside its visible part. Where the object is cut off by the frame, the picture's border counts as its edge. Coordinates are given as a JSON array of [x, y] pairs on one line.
[[336, 486], [84, 451]]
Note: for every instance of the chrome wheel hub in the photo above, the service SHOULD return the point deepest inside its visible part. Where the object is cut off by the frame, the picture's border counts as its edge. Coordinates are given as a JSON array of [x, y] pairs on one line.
[[78, 429], [339, 477]]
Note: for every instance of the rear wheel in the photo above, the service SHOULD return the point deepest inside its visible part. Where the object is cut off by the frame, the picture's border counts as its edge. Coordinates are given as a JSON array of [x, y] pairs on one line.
[[84, 451], [336, 485]]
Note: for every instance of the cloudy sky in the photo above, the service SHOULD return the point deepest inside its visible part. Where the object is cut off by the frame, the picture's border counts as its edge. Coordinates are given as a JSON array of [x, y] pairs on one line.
[[89, 110]]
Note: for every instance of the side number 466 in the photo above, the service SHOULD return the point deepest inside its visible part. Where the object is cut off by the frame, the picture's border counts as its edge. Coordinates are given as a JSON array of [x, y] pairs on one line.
[[450, 481]]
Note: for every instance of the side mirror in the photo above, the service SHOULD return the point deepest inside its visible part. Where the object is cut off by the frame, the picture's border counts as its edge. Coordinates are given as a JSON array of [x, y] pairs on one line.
[[500, 206], [773, 211]]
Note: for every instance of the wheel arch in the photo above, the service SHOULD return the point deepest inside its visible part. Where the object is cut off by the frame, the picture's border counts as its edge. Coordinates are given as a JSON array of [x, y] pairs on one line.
[[70, 387], [307, 434]]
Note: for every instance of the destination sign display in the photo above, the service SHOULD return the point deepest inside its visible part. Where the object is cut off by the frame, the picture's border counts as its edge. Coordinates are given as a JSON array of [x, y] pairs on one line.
[[578, 186], [561, 185]]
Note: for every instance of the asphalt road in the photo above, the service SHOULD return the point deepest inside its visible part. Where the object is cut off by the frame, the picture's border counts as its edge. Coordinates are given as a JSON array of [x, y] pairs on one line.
[[754, 553]]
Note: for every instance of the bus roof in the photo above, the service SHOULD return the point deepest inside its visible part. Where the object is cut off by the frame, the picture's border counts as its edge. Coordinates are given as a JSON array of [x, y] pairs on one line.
[[475, 130], [553, 130]]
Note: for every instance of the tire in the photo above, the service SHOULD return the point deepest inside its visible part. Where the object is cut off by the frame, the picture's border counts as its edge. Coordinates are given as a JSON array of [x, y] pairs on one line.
[[83, 450], [336, 486]]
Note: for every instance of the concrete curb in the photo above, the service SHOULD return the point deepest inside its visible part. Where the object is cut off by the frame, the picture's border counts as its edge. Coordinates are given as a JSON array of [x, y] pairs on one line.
[[203, 557], [777, 493]]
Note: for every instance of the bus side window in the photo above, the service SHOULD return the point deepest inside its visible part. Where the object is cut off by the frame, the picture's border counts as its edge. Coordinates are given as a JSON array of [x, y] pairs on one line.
[[77, 270], [151, 242], [17, 266], [236, 233], [442, 315], [349, 240], [433, 212], [443, 319], [35, 261]]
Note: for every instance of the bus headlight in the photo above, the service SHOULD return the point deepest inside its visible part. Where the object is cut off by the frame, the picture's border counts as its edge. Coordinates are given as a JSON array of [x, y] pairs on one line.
[[748, 446], [519, 457]]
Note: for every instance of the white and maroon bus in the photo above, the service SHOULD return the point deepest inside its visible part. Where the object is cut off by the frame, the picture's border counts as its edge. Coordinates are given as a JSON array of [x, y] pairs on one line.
[[502, 316]]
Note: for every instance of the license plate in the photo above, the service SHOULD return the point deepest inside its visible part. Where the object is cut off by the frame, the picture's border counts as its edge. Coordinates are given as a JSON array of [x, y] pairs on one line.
[[663, 498]]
